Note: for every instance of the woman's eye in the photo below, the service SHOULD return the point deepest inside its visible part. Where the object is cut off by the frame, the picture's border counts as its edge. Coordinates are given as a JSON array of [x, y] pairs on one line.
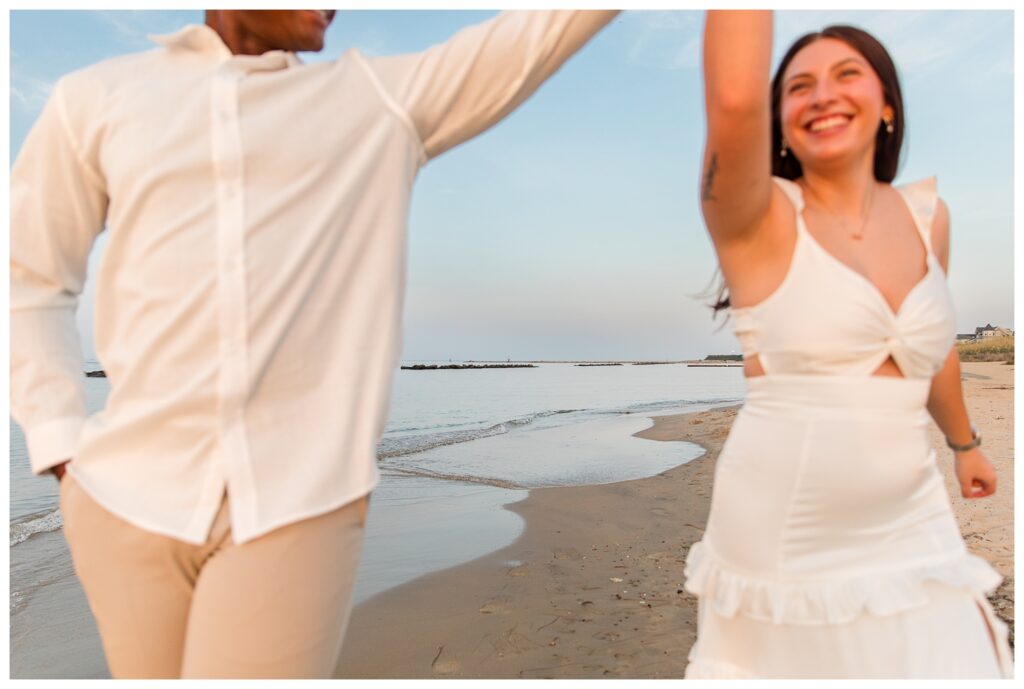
[[797, 87], [849, 72]]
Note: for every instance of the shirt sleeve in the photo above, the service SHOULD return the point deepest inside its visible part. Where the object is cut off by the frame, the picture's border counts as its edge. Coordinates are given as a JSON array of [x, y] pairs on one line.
[[58, 206], [456, 90]]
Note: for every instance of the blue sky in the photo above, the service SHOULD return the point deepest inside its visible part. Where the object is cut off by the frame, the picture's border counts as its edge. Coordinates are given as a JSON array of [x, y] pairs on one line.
[[571, 229]]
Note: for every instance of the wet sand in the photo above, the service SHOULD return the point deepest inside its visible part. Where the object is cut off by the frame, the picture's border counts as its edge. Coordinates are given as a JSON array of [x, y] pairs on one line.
[[593, 586]]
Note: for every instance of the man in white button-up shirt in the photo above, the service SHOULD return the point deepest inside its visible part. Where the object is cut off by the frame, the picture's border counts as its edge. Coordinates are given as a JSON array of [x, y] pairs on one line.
[[248, 316]]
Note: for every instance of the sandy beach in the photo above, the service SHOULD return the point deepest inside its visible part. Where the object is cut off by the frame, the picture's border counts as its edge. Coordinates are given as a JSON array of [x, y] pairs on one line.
[[593, 586]]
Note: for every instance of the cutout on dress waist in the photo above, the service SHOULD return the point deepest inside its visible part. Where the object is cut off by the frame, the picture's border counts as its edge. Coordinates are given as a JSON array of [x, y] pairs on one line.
[[752, 366], [889, 371]]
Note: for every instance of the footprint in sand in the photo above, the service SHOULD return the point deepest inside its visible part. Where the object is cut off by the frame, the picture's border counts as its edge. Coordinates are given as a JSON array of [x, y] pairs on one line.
[[567, 554], [445, 666], [494, 606]]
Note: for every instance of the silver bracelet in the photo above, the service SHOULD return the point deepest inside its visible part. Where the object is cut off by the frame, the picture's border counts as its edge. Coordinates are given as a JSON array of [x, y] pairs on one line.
[[975, 442]]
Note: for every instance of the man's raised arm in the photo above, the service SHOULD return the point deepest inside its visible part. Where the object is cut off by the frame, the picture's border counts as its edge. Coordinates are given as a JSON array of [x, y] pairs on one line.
[[456, 90]]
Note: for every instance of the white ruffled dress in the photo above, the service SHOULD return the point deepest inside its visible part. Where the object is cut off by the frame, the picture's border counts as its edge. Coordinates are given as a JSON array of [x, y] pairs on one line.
[[831, 549]]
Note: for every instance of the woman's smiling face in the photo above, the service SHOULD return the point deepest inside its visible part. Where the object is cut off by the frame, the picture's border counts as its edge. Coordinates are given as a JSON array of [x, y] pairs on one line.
[[832, 104]]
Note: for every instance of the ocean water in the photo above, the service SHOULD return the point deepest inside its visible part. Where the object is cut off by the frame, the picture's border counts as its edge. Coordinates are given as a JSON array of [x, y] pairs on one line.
[[438, 417], [458, 445]]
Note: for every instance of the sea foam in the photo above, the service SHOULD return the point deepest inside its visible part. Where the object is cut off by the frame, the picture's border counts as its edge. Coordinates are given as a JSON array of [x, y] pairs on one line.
[[27, 527]]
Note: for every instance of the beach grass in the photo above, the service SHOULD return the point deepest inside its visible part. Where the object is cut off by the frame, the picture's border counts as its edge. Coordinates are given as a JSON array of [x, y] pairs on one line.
[[987, 349]]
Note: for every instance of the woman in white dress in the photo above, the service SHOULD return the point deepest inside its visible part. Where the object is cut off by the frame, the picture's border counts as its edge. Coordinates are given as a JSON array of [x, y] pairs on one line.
[[831, 549]]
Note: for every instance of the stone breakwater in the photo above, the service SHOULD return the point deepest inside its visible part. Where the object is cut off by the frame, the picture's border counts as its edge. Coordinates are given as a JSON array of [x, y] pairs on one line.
[[437, 367]]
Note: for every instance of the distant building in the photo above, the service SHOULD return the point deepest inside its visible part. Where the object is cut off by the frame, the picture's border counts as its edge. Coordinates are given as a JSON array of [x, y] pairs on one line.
[[991, 331]]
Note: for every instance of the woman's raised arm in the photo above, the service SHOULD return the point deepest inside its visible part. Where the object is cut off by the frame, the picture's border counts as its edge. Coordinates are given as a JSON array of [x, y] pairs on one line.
[[736, 177]]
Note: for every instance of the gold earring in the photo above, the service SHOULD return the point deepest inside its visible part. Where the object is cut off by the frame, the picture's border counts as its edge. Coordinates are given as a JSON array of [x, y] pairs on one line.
[[785, 149]]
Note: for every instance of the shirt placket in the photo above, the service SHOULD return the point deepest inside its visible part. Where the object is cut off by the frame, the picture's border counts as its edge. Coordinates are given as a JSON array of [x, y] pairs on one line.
[[233, 381]]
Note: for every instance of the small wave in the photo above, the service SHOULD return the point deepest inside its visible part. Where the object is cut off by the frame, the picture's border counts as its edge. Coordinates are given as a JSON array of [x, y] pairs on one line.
[[27, 527], [400, 446], [392, 445], [671, 404], [429, 427], [17, 601], [462, 478]]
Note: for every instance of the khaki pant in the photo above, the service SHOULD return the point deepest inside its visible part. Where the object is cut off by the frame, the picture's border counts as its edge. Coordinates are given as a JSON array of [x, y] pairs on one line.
[[274, 607]]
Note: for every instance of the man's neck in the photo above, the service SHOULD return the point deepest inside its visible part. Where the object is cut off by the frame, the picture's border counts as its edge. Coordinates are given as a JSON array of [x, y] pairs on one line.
[[234, 35]]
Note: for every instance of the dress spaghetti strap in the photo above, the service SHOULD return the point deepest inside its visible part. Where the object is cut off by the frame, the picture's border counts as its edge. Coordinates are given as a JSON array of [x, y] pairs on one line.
[[792, 191], [922, 198]]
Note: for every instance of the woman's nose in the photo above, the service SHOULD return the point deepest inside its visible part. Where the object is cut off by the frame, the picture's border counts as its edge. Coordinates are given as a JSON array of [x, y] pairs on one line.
[[823, 93]]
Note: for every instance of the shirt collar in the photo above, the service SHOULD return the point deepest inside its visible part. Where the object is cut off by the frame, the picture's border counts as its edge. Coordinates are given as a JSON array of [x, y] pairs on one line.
[[203, 39]]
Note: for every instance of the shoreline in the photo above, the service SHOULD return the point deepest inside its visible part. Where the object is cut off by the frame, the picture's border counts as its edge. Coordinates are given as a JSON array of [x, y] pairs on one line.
[[592, 588]]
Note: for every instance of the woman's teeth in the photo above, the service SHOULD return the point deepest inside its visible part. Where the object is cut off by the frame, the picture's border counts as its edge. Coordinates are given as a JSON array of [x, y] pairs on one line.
[[828, 123]]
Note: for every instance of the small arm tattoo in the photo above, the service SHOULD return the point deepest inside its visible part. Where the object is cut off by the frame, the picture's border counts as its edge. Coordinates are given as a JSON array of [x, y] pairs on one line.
[[709, 179]]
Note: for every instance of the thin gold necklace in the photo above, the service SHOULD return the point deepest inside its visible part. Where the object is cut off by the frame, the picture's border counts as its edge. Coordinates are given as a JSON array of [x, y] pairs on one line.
[[859, 234]]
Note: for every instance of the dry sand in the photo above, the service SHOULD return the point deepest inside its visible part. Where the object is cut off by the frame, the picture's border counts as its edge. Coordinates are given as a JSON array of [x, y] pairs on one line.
[[987, 524], [593, 587]]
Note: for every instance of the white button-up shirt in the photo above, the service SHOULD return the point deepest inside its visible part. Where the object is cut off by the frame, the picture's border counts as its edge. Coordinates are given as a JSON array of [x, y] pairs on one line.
[[248, 305]]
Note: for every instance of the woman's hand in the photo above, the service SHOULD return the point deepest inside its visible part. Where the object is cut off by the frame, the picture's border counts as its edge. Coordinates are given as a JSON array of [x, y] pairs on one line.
[[975, 473]]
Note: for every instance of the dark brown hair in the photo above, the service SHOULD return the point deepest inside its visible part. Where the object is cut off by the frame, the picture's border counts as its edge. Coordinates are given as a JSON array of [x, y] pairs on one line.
[[887, 146]]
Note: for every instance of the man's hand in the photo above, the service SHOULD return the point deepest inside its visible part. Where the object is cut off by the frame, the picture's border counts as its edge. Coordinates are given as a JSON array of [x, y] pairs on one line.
[[59, 469], [975, 473]]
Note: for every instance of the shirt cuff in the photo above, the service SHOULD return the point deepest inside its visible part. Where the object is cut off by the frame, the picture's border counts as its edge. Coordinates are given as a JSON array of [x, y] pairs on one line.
[[53, 442]]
